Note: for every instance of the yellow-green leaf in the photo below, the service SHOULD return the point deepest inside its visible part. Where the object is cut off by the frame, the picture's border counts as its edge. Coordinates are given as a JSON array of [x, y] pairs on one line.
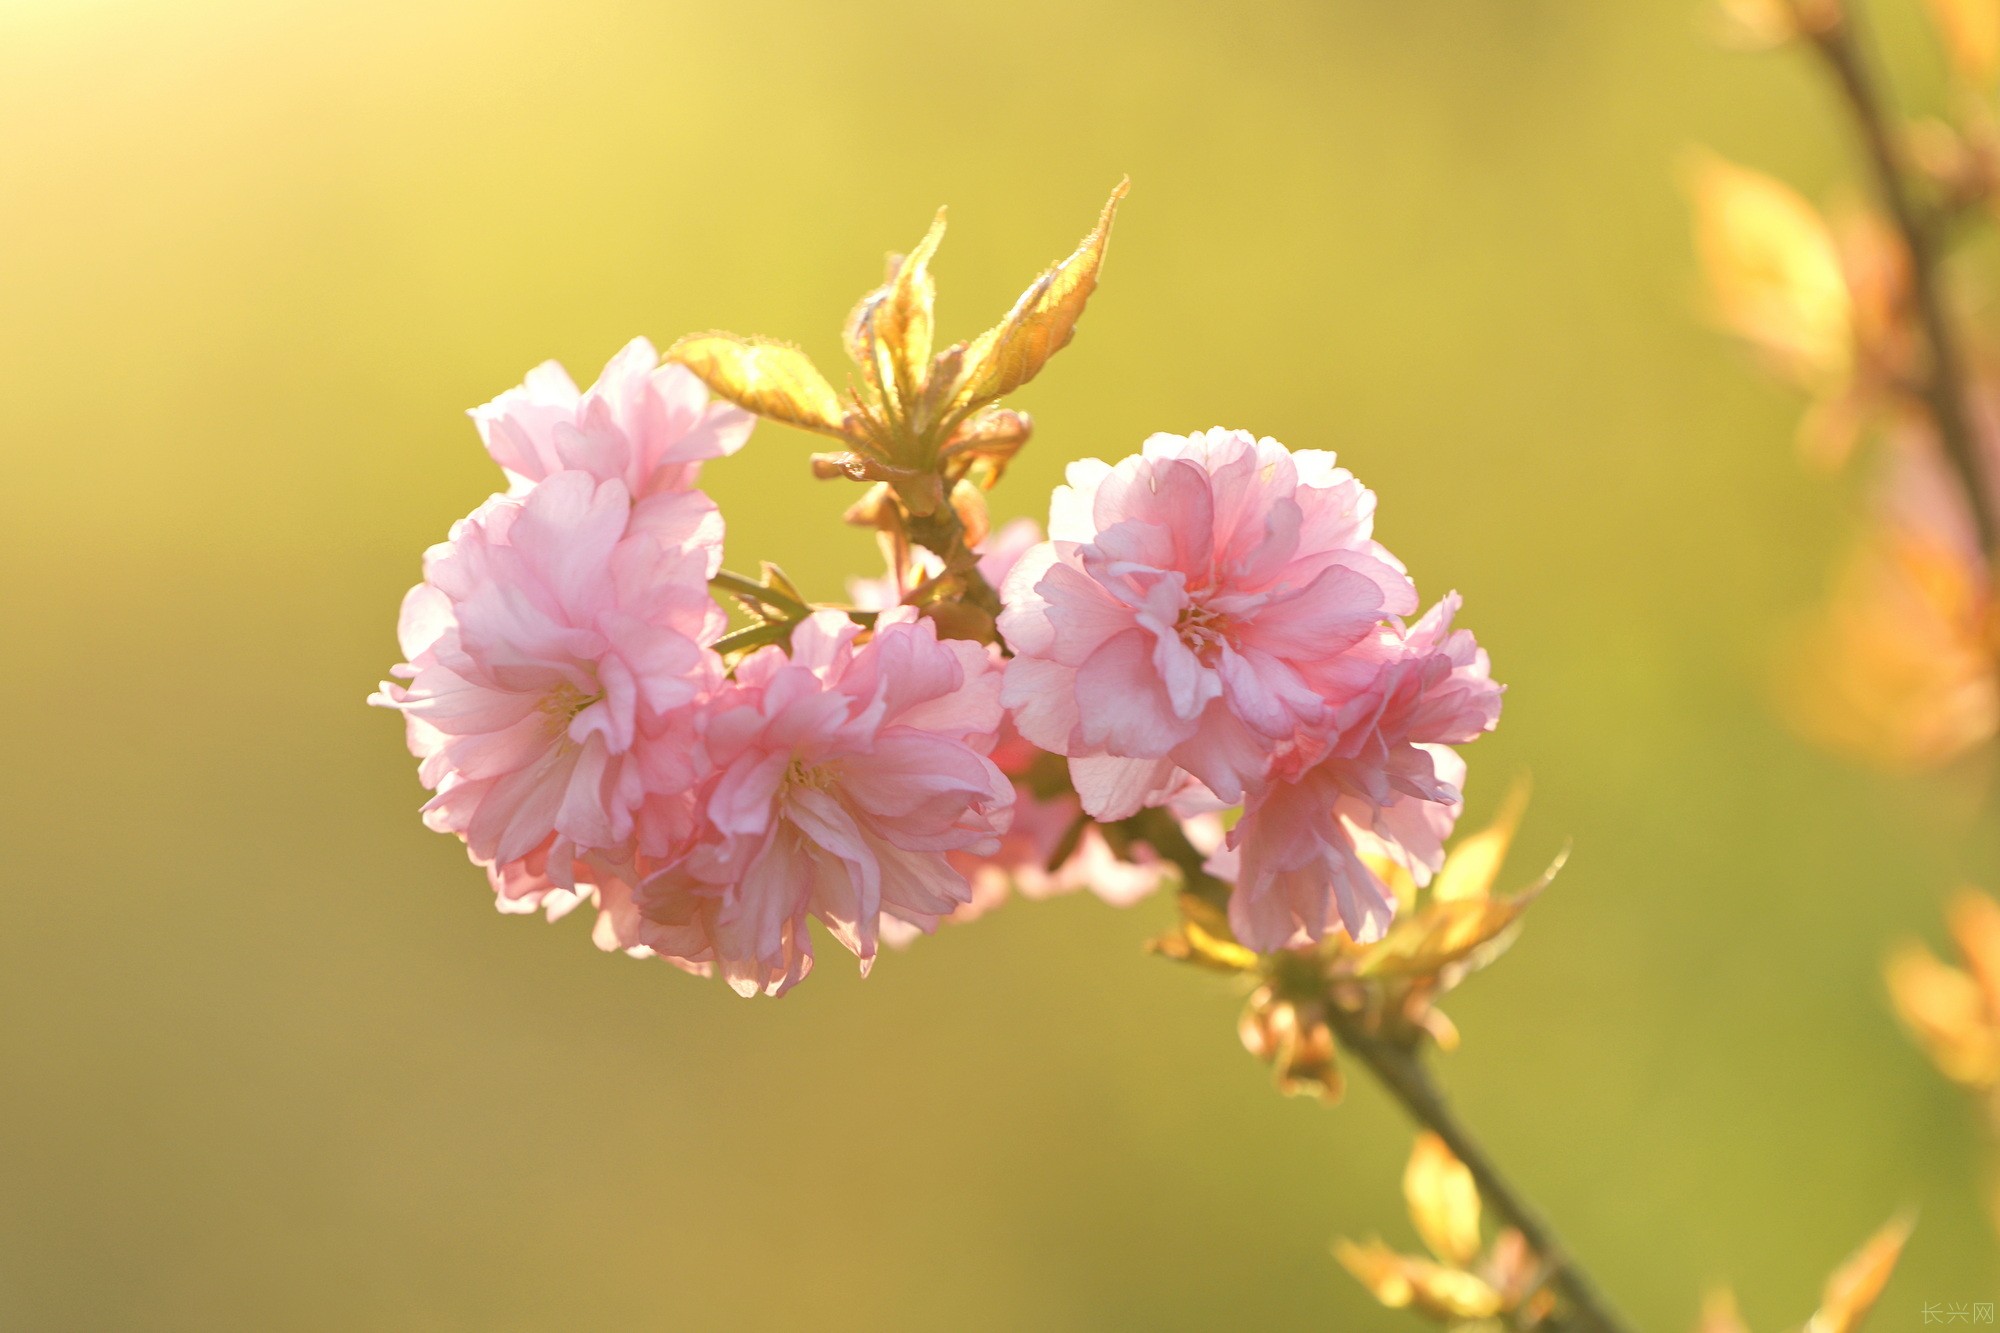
[[1041, 323], [1474, 862], [904, 320], [770, 378], [1444, 1201]]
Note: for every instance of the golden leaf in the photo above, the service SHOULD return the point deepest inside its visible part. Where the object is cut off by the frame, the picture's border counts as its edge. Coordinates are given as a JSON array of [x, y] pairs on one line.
[[889, 333], [1975, 927], [1970, 31], [1773, 268], [1944, 1010], [1718, 1313], [770, 378], [1442, 934], [1474, 862], [1191, 944], [1399, 1281], [1854, 1287], [1896, 669], [1041, 323], [1444, 1201], [1378, 1268], [905, 320]]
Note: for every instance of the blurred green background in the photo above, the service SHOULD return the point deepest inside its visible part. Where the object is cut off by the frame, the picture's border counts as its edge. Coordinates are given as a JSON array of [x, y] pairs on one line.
[[272, 1060]]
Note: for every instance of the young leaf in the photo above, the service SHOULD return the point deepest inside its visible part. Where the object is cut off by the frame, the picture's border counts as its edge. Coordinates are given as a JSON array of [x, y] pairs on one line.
[[1474, 862], [1854, 1287], [770, 378], [1041, 323], [904, 320], [1444, 1202]]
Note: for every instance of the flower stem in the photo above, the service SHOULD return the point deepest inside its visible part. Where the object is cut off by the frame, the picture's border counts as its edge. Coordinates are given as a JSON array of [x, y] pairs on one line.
[[942, 533], [1400, 1070], [1839, 44], [745, 588]]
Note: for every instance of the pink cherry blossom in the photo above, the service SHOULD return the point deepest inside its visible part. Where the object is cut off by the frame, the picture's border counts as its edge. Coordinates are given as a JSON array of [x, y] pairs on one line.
[[1379, 778], [844, 776], [1196, 605], [552, 634], [1047, 816], [645, 424]]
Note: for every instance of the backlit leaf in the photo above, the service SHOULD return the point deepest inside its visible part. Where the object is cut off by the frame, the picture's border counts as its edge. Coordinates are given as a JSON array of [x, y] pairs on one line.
[[1041, 323], [772, 379], [904, 321], [1444, 1201], [1474, 862]]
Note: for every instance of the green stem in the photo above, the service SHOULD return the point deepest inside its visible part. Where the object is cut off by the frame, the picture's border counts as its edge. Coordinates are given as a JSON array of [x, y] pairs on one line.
[[749, 589], [943, 534]]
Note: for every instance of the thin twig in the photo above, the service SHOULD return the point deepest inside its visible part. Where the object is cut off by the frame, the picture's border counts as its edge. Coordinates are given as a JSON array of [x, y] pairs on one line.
[[1944, 390], [745, 588], [1402, 1073]]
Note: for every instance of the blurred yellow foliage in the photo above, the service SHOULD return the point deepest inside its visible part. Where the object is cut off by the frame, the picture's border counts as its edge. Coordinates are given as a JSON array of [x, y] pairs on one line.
[[1826, 306], [1773, 269], [1970, 31], [1850, 1292], [1458, 1284], [1857, 1284], [1898, 668], [1953, 1013]]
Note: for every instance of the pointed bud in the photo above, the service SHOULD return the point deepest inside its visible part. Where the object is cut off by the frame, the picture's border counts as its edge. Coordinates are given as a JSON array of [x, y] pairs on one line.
[[1857, 1284]]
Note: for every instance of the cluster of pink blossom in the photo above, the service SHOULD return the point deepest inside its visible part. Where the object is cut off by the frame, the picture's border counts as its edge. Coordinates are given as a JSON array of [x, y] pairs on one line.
[[1211, 620], [583, 737], [1209, 624]]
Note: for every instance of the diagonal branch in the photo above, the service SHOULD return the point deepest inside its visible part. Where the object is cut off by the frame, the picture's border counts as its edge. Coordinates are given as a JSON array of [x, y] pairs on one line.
[[1402, 1073], [1839, 44]]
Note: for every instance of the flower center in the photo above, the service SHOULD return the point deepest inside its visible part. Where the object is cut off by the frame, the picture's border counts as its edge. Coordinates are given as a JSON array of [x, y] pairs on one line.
[[1203, 633], [561, 705], [799, 773]]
